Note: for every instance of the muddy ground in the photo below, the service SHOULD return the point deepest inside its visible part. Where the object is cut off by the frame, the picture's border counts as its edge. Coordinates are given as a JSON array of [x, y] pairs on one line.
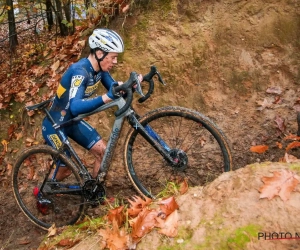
[[235, 61]]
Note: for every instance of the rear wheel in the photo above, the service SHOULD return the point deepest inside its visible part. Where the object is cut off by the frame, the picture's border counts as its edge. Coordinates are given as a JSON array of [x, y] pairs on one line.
[[197, 144], [60, 203]]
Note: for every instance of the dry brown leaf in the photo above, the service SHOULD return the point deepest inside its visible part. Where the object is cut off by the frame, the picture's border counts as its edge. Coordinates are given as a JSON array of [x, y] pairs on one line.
[[277, 100], [8, 169], [143, 223], [116, 214], [137, 204], [4, 143], [30, 140], [125, 9], [11, 130], [115, 238], [18, 135], [52, 231], [68, 242], [282, 183], [264, 104], [169, 227], [55, 66], [290, 158], [183, 188], [280, 123], [279, 145], [274, 90], [23, 241], [168, 206], [259, 149], [294, 144], [292, 137]]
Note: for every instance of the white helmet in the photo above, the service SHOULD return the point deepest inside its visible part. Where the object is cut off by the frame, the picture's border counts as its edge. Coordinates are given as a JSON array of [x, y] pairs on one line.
[[106, 40]]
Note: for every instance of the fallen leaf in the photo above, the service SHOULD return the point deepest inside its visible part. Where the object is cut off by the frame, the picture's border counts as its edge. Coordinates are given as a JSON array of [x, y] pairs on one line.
[[169, 227], [68, 242], [259, 149], [126, 8], [4, 143], [55, 66], [116, 214], [18, 136], [29, 140], [115, 238], [279, 145], [24, 241], [274, 90], [183, 188], [280, 123], [282, 183], [143, 223], [137, 204], [168, 205], [52, 231], [11, 130], [9, 169], [292, 137], [290, 158], [294, 144], [264, 104]]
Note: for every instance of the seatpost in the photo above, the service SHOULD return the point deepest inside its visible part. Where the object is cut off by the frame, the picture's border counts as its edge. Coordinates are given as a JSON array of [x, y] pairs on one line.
[[49, 116]]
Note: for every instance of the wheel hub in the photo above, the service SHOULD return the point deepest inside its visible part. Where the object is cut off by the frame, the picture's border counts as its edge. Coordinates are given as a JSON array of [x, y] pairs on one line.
[[180, 158]]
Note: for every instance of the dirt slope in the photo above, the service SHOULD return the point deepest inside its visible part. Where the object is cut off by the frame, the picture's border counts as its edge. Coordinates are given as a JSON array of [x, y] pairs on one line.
[[228, 214], [220, 58]]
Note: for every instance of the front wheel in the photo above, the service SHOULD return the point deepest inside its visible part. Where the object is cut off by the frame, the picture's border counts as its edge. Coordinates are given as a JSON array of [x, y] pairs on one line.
[[191, 138], [43, 201]]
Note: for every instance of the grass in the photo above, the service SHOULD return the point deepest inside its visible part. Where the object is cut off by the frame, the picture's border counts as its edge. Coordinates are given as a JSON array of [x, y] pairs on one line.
[[170, 189]]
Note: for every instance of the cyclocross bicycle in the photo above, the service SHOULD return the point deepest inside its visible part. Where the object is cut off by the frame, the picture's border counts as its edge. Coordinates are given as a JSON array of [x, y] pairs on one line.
[[167, 144]]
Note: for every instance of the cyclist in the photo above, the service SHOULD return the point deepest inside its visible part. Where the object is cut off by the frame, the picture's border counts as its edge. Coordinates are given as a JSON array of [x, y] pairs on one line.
[[77, 84]]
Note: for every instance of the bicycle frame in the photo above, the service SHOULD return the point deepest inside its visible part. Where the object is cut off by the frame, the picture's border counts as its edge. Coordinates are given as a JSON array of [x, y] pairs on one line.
[[146, 132]]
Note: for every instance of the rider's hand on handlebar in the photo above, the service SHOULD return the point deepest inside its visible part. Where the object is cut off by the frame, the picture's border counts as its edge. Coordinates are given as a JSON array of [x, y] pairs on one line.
[[110, 94], [140, 78]]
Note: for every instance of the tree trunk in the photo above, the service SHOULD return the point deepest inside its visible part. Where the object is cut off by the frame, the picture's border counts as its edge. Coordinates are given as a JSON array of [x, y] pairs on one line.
[[13, 40], [49, 14], [60, 18], [87, 3], [67, 10]]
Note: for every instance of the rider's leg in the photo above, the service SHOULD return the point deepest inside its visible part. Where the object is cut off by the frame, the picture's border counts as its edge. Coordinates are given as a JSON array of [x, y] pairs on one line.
[[86, 136], [62, 173], [53, 140], [98, 151]]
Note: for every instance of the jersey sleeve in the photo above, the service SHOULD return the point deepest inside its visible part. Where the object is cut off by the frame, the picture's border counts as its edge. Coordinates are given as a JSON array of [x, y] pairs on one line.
[[107, 80], [78, 103]]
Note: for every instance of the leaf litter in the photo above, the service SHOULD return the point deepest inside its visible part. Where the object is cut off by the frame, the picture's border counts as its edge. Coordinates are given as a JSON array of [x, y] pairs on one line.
[[124, 226], [281, 184]]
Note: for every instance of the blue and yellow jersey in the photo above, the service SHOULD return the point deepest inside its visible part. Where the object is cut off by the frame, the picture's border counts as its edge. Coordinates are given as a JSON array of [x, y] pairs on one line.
[[78, 83]]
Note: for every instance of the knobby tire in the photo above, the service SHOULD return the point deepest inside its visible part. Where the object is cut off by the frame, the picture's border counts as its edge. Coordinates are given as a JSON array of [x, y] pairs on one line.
[[29, 172], [204, 144]]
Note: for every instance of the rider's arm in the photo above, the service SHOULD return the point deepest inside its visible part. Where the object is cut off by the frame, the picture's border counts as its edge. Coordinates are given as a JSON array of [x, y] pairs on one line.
[[108, 82], [78, 103]]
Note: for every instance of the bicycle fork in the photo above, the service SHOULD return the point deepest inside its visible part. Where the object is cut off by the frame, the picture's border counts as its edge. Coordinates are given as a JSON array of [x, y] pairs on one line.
[[153, 138]]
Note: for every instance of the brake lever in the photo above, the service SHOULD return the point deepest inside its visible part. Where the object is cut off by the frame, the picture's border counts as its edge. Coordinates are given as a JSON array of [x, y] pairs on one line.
[[160, 78], [138, 88]]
